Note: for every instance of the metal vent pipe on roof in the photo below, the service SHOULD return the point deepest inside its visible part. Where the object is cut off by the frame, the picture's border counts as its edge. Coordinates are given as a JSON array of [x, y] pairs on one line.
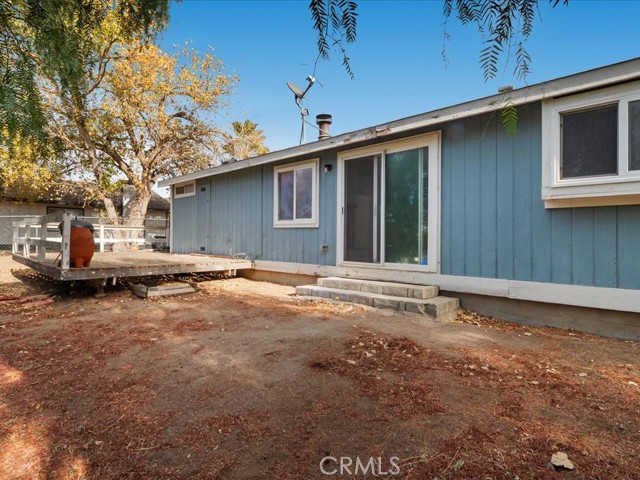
[[323, 120]]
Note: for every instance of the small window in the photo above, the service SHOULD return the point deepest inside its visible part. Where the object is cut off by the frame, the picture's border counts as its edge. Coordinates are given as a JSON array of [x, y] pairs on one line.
[[296, 195], [590, 142], [634, 135], [591, 148], [185, 190]]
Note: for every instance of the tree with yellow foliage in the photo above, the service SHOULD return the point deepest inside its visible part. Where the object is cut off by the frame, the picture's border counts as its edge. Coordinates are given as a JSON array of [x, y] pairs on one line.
[[149, 117], [58, 37], [24, 166], [120, 110]]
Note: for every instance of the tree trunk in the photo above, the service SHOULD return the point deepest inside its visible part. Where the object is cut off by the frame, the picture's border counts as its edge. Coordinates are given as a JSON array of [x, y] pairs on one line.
[[112, 212], [134, 210]]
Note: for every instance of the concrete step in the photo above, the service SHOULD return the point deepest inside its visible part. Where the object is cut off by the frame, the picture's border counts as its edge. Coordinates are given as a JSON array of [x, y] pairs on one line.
[[143, 291], [440, 308], [383, 288]]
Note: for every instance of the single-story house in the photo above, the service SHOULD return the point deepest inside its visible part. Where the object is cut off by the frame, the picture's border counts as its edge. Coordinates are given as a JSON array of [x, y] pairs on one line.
[[541, 226]]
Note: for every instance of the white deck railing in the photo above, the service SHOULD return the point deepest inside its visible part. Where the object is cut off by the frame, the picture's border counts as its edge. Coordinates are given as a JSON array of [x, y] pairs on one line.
[[43, 233], [34, 232]]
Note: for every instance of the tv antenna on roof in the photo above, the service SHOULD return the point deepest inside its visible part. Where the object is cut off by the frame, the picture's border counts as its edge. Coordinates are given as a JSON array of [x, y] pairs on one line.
[[299, 95]]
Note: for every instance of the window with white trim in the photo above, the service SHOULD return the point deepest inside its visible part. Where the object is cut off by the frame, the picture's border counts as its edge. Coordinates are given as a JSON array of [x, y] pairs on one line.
[[591, 148], [184, 190], [296, 195]]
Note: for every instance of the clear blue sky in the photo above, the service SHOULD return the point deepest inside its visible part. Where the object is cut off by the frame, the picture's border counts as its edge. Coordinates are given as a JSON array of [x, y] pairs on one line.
[[397, 57]]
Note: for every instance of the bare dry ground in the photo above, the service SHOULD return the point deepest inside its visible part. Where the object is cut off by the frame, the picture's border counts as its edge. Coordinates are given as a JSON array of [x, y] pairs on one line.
[[241, 380]]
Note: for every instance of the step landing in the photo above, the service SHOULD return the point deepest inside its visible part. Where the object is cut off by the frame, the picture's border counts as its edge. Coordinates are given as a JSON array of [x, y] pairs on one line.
[[438, 307], [383, 288]]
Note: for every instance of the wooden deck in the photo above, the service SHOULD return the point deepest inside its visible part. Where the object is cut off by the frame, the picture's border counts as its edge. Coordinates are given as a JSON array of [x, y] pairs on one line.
[[135, 264]]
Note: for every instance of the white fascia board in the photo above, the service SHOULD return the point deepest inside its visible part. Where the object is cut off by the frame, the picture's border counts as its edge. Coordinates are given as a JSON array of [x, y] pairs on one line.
[[619, 299], [589, 80]]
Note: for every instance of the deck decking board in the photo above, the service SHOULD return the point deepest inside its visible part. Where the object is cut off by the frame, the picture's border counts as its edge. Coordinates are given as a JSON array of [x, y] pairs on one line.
[[135, 264]]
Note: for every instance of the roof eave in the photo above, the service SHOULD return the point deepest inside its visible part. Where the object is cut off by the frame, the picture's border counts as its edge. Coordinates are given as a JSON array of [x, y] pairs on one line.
[[591, 79]]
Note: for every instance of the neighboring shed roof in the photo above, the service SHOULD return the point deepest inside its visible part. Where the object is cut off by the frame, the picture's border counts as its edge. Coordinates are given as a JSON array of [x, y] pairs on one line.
[[591, 79], [158, 203], [70, 195], [73, 195]]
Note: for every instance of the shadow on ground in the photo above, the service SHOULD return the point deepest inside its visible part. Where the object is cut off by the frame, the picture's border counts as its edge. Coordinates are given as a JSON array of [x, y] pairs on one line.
[[241, 380]]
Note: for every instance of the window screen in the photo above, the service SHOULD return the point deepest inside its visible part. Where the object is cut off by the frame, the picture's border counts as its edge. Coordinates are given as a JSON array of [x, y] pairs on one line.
[[634, 135], [285, 203], [590, 142], [304, 193]]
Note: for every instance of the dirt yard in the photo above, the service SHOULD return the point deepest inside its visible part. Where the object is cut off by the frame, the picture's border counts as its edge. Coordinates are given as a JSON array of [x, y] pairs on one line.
[[241, 380]]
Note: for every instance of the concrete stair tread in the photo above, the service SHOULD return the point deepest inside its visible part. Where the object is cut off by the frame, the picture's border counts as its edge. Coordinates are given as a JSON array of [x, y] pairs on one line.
[[393, 289], [439, 307], [437, 299]]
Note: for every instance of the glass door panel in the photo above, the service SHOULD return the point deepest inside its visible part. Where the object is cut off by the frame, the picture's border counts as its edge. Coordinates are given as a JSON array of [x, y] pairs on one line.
[[361, 208], [406, 207]]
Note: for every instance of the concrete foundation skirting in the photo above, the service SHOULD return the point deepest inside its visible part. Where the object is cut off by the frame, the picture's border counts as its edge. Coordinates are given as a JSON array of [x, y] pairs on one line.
[[608, 323], [291, 279]]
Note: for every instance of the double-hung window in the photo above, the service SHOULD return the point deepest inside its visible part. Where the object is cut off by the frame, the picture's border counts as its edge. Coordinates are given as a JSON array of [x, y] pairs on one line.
[[591, 148], [296, 195]]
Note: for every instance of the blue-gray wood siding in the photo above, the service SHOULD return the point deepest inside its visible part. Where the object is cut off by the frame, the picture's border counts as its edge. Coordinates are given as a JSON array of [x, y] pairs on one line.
[[493, 224], [239, 217], [184, 229]]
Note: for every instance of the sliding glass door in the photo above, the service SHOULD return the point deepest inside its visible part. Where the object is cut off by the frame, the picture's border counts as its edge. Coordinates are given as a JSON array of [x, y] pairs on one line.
[[406, 206], [362, 204], [389, 211]]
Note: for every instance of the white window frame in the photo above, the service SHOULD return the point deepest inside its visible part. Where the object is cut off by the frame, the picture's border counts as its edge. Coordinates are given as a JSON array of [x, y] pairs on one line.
[[186, 194], [431, 140], [622, 188], [312, 222]]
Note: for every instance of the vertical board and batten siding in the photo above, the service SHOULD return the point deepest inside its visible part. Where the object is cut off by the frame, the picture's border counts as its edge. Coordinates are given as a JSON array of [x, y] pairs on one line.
[[493, 220], [184, 212], [495, 225], [302, 245], [203, 196], [237, 212]]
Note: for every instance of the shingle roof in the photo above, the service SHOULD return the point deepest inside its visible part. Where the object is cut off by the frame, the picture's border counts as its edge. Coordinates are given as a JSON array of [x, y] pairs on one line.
[[73, 195]]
